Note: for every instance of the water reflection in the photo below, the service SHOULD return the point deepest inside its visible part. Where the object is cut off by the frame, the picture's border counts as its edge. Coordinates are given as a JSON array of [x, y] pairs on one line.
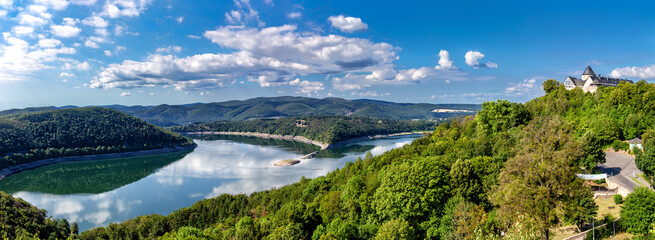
[[217, 166], [89, 176]]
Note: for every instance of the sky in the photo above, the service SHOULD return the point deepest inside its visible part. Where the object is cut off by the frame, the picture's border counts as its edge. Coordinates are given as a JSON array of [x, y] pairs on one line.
[[150, 52]]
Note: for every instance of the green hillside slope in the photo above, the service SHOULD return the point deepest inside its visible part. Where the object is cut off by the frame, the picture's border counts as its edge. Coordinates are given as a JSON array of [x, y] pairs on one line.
[[79, 131], [275, 107], [509, 172], [327, 129]]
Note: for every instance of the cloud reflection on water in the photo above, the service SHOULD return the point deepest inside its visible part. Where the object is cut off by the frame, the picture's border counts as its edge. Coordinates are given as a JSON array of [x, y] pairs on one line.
[[214, 168]]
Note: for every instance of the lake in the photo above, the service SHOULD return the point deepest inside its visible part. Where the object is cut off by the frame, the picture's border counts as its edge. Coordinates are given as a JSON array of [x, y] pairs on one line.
[[96, 193]]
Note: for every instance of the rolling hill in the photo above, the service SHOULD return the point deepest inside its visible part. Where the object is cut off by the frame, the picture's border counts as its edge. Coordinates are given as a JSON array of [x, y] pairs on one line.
[[277, 107]]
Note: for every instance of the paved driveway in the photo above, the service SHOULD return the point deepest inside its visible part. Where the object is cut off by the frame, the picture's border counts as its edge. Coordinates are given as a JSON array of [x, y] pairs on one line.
[[619, 168]]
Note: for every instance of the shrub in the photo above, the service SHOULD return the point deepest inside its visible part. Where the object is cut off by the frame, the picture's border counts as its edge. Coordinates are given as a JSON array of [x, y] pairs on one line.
[[618, 199]]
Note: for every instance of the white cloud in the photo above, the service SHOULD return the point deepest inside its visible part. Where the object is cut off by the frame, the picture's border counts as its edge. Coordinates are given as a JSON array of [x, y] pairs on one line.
[[645, 72], [83, 66], [527, 86], [347, 24], [3, 13], [27, 19], [472, 58], [270, 57], [124, 8], [49, 43], [95, 21], [65, 74], [91, 44], [54, 4], [307, 86], [243, 14], [65, 31], [22, 30], [125, 94], [118, 30], [294, 15], [444, 61], [18, 59], [193, 36], [179, 19], [40, 10], [83, 2], [102, 32], [108, 53], [169, 49], [6, 3]]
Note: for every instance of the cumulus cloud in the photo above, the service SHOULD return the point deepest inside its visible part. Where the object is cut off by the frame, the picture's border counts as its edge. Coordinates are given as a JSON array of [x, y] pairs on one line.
[[82, 66], [54, 4], [270, 57], [444, 61], [6, 3], [65, 74], [22, 30], [472, 58], [49, 43], [27, 19], [307, 86], [91, 44], [243, 14], [65, 31], [124, 8], [347, 24], [95, 21], [108, 53], [294, 15], [18, 58], [527, 86], [645, 72], [124, 94]]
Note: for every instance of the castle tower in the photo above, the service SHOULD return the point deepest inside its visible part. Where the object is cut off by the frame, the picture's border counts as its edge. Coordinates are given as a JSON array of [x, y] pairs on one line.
[[588, 73]]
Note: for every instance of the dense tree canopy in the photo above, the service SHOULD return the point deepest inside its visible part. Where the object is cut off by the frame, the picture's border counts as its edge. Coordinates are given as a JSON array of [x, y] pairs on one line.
[[327, 129], [507, 173], [80, 131]]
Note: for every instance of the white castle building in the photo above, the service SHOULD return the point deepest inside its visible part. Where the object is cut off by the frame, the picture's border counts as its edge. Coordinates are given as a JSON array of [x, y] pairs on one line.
[[589, 82]]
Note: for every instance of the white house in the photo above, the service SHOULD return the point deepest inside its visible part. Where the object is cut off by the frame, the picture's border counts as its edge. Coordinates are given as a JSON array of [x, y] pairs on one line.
[[589, 81], [636, 142]]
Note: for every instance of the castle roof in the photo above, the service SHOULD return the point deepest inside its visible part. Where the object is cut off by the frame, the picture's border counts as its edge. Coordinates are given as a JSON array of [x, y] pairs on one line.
[[576, 81], [588, 71]]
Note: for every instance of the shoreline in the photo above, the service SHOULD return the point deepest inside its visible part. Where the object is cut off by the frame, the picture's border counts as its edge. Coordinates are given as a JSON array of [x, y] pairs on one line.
[[322, 145], [44, 162]]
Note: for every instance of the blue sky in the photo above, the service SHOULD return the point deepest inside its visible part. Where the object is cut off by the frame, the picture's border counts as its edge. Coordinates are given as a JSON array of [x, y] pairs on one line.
[[147, 52]]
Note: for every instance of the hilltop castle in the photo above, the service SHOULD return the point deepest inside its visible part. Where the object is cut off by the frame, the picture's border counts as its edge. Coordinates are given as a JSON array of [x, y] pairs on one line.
[[589, 82]]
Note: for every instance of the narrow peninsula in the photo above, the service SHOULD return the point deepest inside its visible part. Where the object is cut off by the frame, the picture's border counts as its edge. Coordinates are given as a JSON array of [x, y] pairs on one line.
[[323, 131]]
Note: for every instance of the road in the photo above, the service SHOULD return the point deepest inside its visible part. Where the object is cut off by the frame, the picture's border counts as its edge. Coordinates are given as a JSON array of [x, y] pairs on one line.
[[619, 168]]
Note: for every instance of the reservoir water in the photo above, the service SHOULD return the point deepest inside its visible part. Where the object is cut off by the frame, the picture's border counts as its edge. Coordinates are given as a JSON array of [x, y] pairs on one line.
[[96, 193]]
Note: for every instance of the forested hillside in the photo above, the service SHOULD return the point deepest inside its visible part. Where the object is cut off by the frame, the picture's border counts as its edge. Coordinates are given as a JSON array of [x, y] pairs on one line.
[[80, 131], [274, 107], [509, 172], [21, 220], [327, 129]]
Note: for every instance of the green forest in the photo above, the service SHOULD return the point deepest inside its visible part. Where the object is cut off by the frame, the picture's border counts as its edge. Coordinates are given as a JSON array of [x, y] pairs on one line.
[[508, 172], [327, 129], [30, 137]]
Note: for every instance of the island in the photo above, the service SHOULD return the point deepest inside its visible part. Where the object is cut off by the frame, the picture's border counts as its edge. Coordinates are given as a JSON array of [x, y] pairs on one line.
[[42, 138]]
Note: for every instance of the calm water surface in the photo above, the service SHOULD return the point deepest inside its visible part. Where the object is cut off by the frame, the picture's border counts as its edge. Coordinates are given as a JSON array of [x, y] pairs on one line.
[[96, 193]]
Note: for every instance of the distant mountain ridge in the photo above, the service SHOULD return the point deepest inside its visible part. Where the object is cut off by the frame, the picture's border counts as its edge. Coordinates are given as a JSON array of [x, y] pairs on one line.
[[277, 107]]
